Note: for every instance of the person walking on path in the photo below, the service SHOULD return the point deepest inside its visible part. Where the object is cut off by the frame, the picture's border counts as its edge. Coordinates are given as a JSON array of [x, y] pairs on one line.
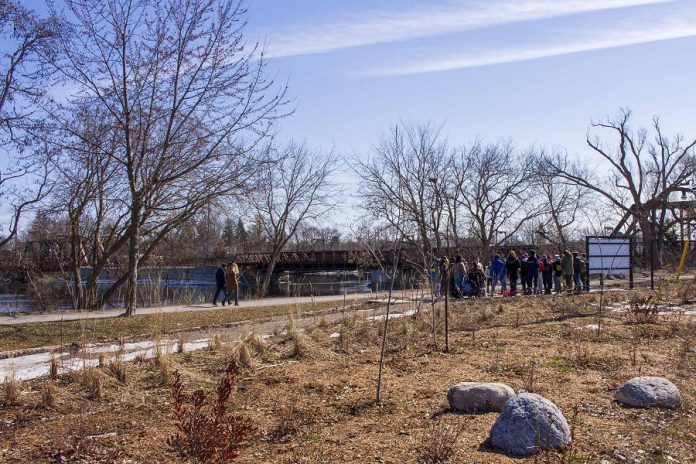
[[232, 283], [512, 267], [568, 269], [497, 274], [557, 274], [459, 269], [221, 284]]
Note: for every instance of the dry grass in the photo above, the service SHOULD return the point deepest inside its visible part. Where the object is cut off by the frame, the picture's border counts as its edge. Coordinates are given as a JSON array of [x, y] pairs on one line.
[[320, 407], [48, 395], [53, 367], [256, 342], [244, 356], [24, 336], [117, 368], [215, 344], [93, 383], [11, 389]]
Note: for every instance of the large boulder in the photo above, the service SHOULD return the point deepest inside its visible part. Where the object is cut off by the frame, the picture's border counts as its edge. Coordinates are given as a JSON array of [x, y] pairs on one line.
[[528, 423], [477, 397], [649, 392]]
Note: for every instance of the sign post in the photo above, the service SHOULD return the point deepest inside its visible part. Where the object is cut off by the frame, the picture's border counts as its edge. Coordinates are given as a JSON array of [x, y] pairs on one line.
[[610, 256]]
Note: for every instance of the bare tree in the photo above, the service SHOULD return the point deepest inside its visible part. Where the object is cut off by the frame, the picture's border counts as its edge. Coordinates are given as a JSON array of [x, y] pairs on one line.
[[564, 203], [24, 181], [495, 197], [642, 174], [292, 190], [402, 184], [187, 99]]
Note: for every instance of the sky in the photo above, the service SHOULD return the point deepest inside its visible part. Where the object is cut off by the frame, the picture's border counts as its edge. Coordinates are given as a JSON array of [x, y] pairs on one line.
[[534, 71]]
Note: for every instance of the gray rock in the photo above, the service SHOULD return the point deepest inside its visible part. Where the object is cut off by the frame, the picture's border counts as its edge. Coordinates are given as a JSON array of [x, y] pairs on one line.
[[649, 392], [475, 397], [529, 423]]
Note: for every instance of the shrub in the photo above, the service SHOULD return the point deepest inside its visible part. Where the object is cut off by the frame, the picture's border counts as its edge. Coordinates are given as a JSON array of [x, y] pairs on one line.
[[641, 310], [208, 433], [438, 444]]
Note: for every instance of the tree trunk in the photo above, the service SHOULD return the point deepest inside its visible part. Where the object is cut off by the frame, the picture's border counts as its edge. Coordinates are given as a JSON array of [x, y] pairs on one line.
[[133, 261], [266, 282], [76, 255]]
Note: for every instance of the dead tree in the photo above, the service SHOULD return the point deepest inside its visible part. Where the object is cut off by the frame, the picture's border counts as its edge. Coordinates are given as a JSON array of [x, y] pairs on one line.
[[642, 173]]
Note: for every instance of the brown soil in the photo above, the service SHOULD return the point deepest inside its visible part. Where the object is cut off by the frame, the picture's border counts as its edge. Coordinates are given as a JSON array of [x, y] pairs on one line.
[[320, 407]]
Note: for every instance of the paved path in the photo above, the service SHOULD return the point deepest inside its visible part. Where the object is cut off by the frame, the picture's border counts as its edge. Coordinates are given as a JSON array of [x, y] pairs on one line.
[[24, 318]]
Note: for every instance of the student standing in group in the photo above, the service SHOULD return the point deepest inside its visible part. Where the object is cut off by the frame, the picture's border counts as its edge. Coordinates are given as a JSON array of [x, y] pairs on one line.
[[523, 272], [232, 284], [497, 273], [547, 273], [577, 271], [568, 269], [557, 274], [489, 278], [532, 266], [220, 284], [584, 273], [459, 270], [512, 266]]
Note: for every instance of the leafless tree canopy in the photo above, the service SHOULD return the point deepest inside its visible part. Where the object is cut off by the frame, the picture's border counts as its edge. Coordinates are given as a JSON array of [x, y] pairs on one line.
[[644, 171], [23, 181], [183, 104], [293, 189]]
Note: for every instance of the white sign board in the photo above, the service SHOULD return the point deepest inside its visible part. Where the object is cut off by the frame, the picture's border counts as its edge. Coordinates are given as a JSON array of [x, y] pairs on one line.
[[609, 255]]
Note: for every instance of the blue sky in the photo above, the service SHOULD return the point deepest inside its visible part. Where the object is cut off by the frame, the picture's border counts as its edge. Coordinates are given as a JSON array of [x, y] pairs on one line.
[[536, 71]]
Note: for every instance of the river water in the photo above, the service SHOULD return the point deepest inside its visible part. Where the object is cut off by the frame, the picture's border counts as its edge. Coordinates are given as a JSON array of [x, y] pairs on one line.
[[162, 287]]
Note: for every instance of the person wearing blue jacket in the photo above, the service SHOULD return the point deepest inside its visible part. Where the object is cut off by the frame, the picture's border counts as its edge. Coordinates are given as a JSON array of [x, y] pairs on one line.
[[498, 274]]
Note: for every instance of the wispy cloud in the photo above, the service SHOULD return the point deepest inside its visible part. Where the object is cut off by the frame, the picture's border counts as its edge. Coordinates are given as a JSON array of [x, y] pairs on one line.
[[375, 27], [655, 31]]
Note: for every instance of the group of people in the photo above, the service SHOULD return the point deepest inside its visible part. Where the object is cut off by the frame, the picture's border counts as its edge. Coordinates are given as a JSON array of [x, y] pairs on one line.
[[226, 282], [536, 274]]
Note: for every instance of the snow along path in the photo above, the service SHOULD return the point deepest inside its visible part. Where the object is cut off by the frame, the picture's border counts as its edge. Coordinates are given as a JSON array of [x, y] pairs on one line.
[[37, 364], [25, 318]]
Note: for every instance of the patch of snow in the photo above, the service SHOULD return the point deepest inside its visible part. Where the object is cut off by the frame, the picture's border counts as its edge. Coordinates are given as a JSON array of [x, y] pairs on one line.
[[335, 335], [393, 315]]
